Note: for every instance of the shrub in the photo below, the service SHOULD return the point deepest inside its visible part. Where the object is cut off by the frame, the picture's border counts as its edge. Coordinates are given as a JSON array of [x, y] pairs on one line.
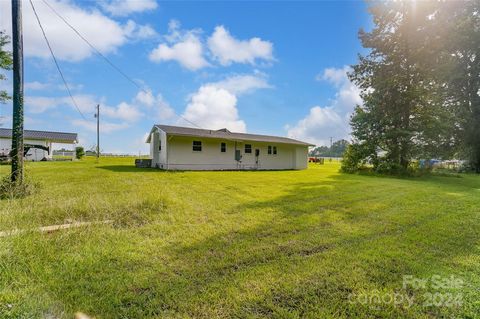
[[11, 190], [390, 168], [79, 152], [352, 159]]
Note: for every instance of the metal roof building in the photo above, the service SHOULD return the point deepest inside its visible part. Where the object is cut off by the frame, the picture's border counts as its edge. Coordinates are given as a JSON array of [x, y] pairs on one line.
[[55, 137], [33, 138]]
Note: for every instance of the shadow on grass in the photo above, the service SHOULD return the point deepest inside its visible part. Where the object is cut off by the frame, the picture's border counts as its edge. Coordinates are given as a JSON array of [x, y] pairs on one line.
[[323, 242], [465, 180], [314, 245]]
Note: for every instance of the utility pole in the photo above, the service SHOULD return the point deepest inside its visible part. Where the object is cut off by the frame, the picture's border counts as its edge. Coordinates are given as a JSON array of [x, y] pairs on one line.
[[17, 125], [97, 115]]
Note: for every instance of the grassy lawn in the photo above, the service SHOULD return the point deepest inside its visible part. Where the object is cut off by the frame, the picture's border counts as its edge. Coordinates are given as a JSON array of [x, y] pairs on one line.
[[281, 244]]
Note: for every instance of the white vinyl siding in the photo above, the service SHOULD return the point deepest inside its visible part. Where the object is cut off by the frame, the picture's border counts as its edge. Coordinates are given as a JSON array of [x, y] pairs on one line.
[[177, 154]]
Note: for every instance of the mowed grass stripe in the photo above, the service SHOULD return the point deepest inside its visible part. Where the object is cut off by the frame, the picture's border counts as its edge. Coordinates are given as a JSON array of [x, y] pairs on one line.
[[290, 244]]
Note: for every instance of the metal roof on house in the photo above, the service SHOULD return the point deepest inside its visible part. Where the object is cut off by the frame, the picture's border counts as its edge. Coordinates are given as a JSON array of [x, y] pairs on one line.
[[225, 134], [56, 137]]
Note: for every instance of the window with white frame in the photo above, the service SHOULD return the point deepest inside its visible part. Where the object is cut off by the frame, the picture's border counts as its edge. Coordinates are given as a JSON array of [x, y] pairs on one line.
[[269, 150], [223, 147], [197, 146], [248, 148], [274, 150]]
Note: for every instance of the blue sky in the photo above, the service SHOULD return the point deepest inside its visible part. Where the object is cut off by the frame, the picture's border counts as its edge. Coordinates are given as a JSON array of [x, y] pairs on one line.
[[261, 67]]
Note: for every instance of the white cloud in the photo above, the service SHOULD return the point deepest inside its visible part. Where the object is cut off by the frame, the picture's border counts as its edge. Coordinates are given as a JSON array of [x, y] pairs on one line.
[[145, 97], [106, 34], [187, 52], [162, 110], [71, 86], [139, 144], [5, 121], [82, 140], [35, 85], [214, 105], [145, 32], [126, 7], [123, 111], [321, 123], [246, 83], [31, 121], [41, 86], [39, 104], [214, 108], [337, 76], [87, 104], [105, 127], [226, 49], [348, 95], [136, 31], [185, 47]]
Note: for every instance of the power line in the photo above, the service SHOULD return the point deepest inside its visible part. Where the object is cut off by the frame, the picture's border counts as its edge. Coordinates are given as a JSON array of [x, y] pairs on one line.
[[91, 46], [116, 68], [187, 120], [56, 63]]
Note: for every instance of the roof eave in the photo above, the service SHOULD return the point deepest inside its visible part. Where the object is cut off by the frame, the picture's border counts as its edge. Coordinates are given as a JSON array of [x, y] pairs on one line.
[[53, 140], [230, 138]]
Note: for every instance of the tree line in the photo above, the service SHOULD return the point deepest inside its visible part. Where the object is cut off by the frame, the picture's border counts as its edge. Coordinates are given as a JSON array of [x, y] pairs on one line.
[[420, 86], [335, 150]]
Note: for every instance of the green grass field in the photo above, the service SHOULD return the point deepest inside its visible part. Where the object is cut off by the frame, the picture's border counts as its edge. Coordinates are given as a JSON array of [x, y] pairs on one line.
[[280, 244]]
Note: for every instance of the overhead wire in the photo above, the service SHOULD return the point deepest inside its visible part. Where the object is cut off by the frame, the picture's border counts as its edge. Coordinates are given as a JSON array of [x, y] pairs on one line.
[[56, 62], [106, 59], [92, 46]]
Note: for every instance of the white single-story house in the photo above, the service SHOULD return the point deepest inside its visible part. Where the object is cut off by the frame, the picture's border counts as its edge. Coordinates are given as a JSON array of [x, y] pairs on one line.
[[31, 139], [184, 148]]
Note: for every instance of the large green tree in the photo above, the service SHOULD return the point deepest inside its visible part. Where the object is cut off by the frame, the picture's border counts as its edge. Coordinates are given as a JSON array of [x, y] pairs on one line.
[[454, 32], [404, 114], [5, 63]]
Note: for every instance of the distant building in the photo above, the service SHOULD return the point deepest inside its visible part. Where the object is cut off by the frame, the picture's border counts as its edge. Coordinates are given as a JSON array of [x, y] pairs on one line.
[[183, 148], [31, 139]]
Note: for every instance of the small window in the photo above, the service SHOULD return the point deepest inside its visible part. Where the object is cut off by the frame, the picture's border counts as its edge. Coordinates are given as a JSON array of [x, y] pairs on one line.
[[223, 147], [274, 150], [197, 146], [160, 146], [269, 149], [248, 148]]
